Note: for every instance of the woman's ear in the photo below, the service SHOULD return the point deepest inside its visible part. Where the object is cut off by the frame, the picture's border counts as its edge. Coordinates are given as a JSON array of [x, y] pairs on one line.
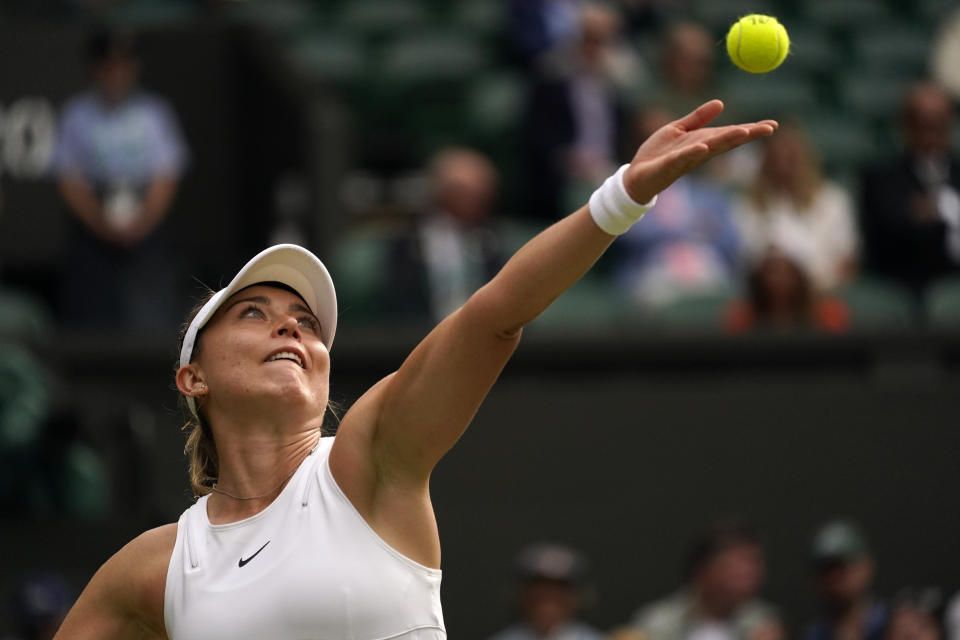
[[190, 381]]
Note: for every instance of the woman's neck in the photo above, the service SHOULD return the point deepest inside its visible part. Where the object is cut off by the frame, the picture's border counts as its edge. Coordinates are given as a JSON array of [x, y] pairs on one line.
[[255, 465]]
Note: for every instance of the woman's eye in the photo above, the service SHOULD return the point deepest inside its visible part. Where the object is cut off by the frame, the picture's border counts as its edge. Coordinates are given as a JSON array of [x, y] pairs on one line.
[[309, 323], [252, 312]]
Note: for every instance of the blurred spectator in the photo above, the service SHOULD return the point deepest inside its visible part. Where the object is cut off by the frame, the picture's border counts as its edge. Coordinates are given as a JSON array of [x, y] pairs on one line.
[[725, 571], [687, 61], [944, 54], [790, 204], [844, 572], [915, 615], [40, 603], [552, 581], [537, 26], [911, 207], [951, 618], [781, 296], [118, 163], [453, 249], [575, 117], [687, 243]]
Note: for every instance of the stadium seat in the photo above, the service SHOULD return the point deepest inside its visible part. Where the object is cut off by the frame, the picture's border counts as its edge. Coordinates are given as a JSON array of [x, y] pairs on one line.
[[853, 15], [22, 316], [379, 17], [24, 398], [358, 267], [878, 304], [435, 55], [325, 57], [844, 142], [942, 301], [873, 94], [151, 13], [591, 303], [719, 16], [495, 102], [894, 49], [285, 16], [812, 50], [483, 17], [702, 312], [769, 95]]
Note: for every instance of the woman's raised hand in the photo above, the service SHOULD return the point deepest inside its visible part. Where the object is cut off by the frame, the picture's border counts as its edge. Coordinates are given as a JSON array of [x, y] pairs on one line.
[[684, 144]]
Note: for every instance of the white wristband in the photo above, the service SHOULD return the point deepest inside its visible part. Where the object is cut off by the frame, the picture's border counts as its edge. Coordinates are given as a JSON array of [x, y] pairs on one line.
[[612, 208]]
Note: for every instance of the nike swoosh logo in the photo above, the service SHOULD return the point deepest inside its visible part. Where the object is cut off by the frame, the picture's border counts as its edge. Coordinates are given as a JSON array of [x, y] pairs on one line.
[[243, 562]]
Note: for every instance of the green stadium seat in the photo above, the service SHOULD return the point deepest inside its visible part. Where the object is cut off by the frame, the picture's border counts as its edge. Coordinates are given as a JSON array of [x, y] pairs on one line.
[[872, 94], [702, 312], [812, 50], [381, 17], [482, 17], [893, 49], [284, 16], [844, 142], [769, 95], [719, 16], [495, 103], [942, 302], [24, 398], [358, 267], [878, 304], [440, 55], [854, 15], [326, 57], [590, 303], [149, 13], [22, 316]]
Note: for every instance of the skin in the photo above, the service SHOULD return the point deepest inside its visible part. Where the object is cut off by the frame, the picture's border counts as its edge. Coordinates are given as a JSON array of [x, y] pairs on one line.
[[265, 416]]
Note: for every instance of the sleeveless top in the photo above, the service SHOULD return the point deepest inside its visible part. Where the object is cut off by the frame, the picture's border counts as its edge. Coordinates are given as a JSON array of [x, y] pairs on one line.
[[308, 567]]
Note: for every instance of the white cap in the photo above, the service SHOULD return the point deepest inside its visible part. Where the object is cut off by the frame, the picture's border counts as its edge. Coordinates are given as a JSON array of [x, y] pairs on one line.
[[287, 264]]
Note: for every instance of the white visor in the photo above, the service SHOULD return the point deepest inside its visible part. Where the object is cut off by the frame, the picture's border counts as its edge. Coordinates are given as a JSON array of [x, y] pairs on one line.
[[287, 264]]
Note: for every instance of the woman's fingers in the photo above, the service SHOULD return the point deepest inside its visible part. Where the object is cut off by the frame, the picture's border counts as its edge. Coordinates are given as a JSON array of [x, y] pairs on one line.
[[700, 116]]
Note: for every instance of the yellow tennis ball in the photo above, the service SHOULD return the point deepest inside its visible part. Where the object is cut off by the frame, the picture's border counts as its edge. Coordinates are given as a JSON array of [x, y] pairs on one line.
[[757, 43]]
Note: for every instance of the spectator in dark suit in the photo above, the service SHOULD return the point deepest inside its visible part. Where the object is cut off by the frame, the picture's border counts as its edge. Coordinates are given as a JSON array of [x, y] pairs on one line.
[[451, 250], [575, 117], [911, 207]]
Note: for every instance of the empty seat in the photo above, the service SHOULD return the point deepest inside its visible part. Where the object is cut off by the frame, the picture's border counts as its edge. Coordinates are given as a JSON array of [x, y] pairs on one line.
[[329, 57], [590, 303], [378, 17], [878, 304], [894, 49], [813, 50], [436, 55], [719, 16], [942, 302], [769, 95], [844, 142], [872, 94], [854, 15]]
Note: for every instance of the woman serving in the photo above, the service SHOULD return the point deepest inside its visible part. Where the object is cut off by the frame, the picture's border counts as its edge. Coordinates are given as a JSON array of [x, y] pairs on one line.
[[301, 536]]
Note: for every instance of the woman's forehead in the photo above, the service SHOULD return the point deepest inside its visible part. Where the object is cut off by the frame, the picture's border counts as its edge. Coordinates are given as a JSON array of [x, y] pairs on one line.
[[273, 291]]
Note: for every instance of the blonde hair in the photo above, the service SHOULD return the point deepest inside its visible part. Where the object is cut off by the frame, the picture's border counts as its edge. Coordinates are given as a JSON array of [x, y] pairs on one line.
[[806, 176], [201, 447]]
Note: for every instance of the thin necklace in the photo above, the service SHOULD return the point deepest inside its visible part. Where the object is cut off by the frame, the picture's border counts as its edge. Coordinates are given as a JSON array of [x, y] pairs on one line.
[[214, 486]]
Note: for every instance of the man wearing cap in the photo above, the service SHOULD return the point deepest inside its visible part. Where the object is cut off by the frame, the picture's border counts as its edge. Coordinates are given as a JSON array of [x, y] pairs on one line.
[[843, 571], [552, 584], [725, 570]]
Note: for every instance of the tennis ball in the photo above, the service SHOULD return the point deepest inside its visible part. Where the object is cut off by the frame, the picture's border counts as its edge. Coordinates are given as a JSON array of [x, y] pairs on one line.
[[757, 43]]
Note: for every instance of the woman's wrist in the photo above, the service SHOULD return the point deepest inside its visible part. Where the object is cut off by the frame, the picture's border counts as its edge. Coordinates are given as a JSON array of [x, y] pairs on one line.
[[613, 209]]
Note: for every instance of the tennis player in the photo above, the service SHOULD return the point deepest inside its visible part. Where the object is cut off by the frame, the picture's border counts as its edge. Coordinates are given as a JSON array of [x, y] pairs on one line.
[[300, 536]]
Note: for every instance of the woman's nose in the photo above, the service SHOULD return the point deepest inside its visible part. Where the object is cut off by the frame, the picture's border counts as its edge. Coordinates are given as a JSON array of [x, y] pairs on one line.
[[289, 327]]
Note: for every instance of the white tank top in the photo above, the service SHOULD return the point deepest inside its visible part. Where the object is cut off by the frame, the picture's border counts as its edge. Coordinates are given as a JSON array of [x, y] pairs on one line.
[[306, 567]]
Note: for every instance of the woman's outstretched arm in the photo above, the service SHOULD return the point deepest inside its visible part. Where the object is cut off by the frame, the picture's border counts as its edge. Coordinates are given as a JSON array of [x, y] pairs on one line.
[[419, 412]]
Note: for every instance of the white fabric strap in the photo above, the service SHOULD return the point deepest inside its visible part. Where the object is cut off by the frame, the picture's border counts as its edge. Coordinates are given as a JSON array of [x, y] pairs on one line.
[[612, 208]]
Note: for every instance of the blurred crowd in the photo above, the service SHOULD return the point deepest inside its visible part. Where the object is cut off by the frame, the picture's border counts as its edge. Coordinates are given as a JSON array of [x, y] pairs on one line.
[[768, 239], [719, 595]]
